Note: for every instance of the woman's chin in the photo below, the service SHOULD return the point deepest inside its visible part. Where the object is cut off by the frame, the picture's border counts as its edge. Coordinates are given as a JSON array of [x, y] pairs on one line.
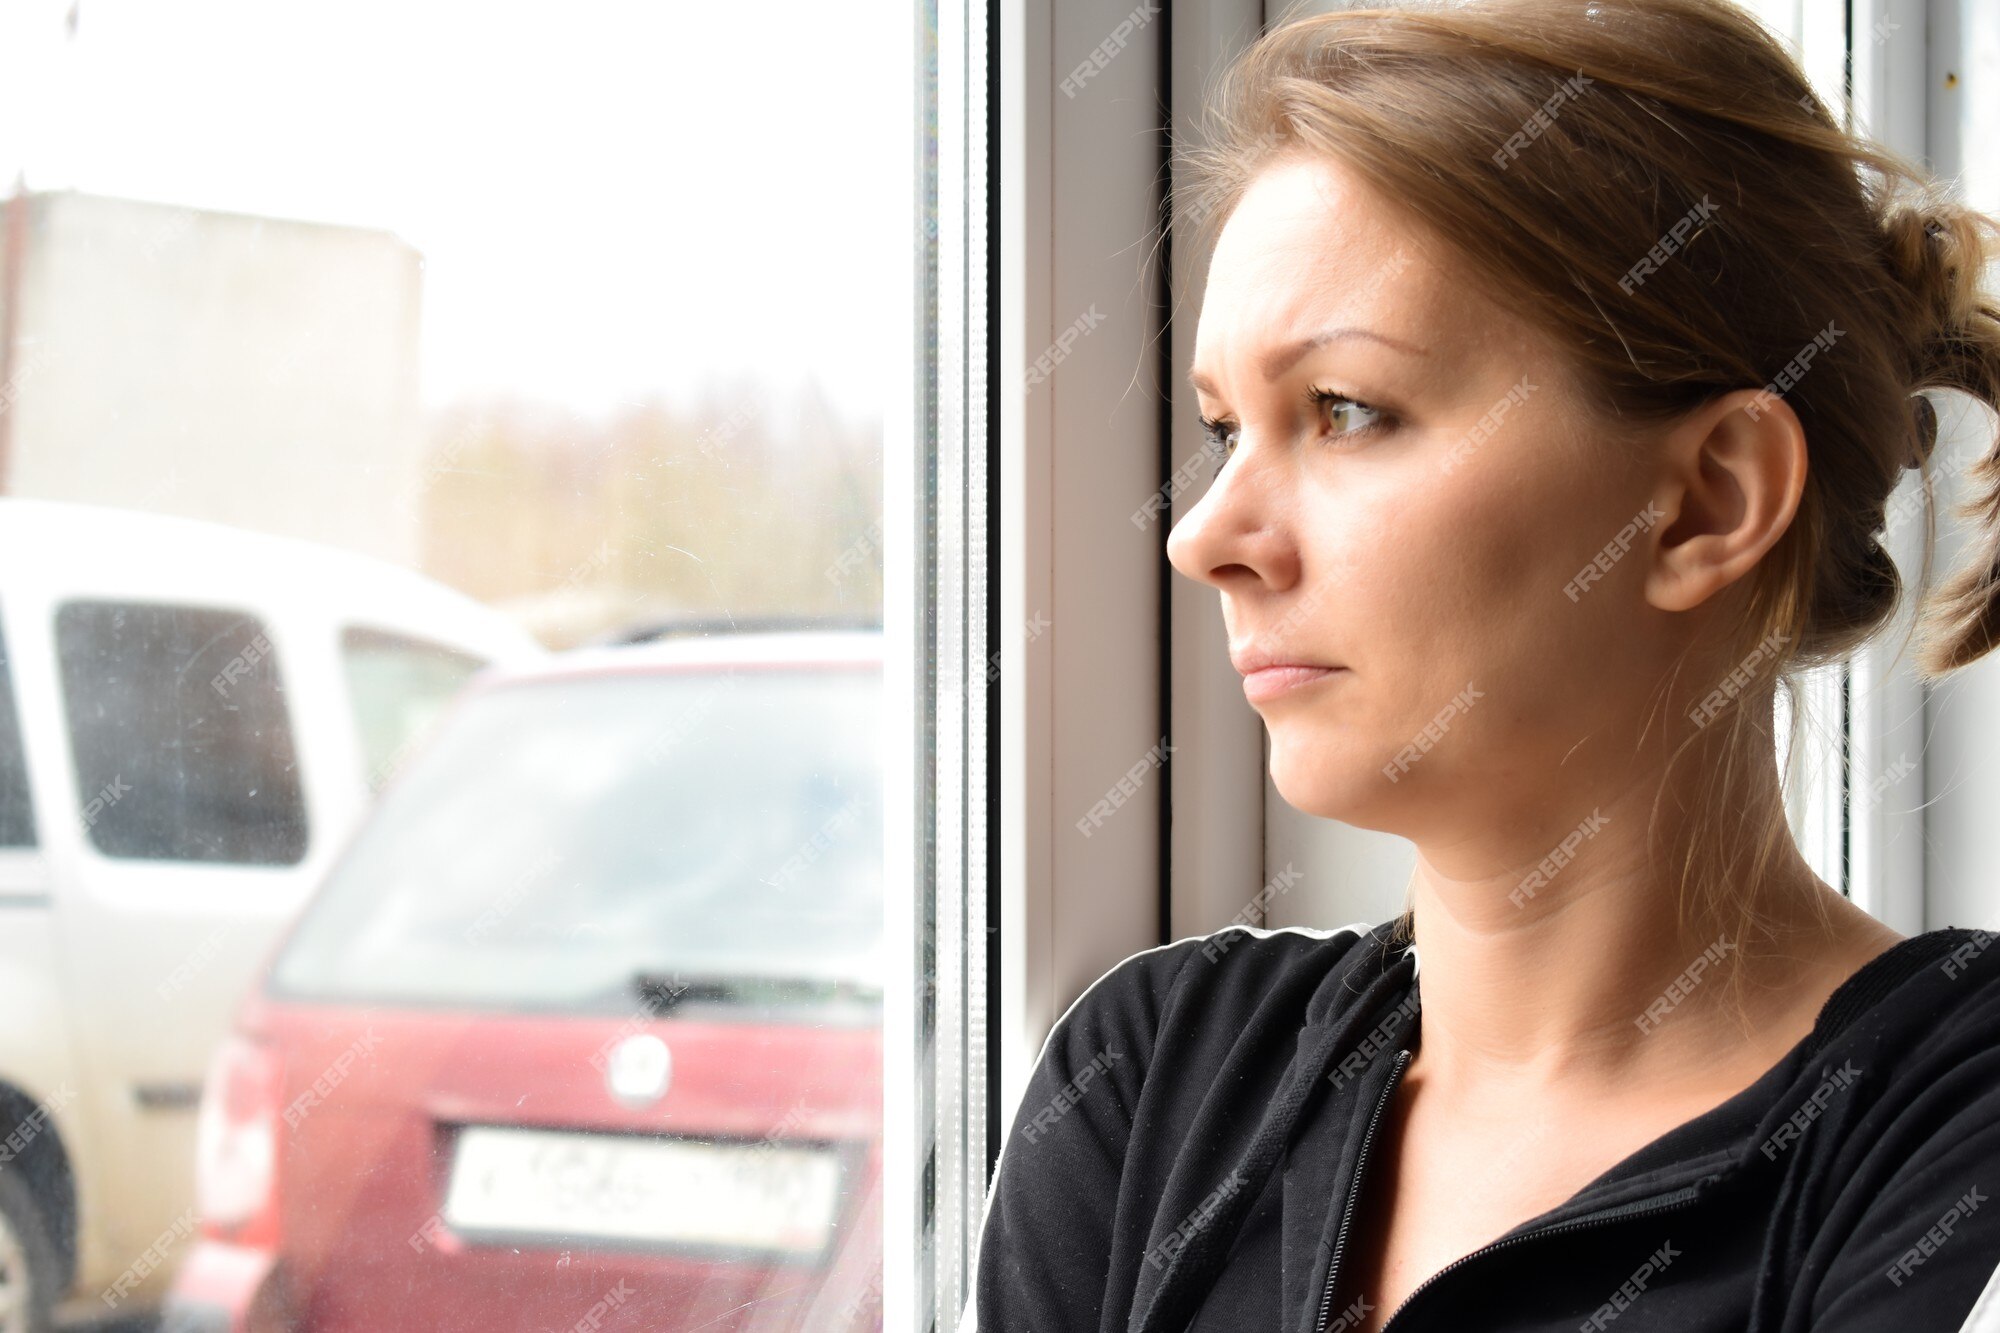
[[1332, 785]]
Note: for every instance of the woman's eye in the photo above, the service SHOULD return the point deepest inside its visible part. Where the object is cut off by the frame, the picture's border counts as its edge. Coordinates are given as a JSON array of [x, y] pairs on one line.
[[1341, 415], [1221, 436], [1344, 415]]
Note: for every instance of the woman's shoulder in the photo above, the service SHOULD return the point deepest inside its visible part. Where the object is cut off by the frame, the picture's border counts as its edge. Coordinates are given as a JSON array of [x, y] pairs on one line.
[[1237, 964], [1937, 989]]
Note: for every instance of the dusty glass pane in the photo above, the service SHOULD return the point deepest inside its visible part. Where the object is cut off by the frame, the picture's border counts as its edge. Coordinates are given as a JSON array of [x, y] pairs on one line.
[[399, 685], [17, 811], [180, 735], [441, 544]]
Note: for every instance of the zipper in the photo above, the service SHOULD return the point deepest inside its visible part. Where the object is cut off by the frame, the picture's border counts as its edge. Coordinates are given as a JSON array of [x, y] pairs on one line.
[[1665, 1203], [1354, 1192]]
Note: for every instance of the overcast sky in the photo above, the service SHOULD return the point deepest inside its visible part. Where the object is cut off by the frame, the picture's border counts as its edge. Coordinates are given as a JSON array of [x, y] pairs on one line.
[[613, 197]]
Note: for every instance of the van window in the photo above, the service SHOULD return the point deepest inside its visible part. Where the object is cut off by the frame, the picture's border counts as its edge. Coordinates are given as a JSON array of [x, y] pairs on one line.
[[17, 816], [183, 742], [398, 685]]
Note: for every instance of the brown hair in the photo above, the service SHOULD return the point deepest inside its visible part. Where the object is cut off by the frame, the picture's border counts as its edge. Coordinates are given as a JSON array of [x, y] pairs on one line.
[[1588, 161]]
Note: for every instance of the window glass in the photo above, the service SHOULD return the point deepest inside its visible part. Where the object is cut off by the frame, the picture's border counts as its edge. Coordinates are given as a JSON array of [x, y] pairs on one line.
[[17, 815], [367, 342], [399, 685], [575, 844], [178, 725]]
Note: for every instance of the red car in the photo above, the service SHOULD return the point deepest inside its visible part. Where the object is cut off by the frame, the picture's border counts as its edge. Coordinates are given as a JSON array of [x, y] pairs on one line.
[[583, 1030]]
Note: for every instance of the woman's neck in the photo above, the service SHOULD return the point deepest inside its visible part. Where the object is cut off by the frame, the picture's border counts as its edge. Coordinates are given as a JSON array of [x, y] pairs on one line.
[[1577, 974]]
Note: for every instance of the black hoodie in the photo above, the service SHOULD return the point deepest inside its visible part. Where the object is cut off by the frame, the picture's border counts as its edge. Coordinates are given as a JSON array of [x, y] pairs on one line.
[[1184, 1160]]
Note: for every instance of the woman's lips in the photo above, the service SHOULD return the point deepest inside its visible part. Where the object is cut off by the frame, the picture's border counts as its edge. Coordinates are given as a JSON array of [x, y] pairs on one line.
[[1272, 681]]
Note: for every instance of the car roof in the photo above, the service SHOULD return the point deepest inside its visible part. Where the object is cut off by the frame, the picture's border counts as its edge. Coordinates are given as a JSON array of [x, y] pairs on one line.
[[66, 550], [857, 648]]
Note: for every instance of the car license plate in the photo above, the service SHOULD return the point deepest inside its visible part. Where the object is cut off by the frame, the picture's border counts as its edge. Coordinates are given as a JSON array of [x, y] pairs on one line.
[[766, 1197]]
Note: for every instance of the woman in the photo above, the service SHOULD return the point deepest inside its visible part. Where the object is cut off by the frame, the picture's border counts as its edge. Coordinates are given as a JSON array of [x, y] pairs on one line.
[[1561, 359]]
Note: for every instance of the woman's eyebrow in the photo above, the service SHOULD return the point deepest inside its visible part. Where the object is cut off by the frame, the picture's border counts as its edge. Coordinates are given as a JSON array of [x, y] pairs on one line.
[[1277, 361]]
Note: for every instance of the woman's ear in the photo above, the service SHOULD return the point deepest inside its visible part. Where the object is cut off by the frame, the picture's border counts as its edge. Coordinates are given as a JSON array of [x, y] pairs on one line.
[[1732, 474]]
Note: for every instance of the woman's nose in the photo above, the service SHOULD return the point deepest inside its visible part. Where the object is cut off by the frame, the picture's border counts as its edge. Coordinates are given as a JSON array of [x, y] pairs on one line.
[[1229, 532]]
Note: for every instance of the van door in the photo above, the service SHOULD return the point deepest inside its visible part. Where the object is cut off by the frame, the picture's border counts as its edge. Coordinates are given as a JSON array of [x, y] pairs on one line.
[[192, 820]]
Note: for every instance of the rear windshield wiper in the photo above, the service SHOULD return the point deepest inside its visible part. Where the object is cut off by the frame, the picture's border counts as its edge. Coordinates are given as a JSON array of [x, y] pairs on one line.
[[662, 991]]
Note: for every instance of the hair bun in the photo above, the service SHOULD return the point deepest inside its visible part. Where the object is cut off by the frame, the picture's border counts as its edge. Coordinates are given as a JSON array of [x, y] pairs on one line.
[[1927, 244]]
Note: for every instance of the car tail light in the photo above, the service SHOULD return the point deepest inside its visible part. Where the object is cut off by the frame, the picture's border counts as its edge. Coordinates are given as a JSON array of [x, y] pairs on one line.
[[236, 1145]]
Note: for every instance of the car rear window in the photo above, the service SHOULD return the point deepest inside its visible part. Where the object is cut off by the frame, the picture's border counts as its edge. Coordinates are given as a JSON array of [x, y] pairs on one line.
[[561, 845]]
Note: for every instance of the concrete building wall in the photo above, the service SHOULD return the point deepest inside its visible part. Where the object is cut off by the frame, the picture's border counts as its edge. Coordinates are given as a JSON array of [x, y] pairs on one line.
[[254, 371]]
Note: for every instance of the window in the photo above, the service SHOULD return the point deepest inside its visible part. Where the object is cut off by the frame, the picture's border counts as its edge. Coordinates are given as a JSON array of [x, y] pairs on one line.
[[717, 831], [399, 686], [452, 393], [182, 742], [17, 814]]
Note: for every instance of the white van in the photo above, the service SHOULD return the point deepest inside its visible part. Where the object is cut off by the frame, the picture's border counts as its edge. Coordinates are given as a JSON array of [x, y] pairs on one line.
[[192, 720]]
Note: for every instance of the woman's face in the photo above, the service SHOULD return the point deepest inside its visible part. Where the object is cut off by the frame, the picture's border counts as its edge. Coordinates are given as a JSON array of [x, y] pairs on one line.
[[1427, 543]]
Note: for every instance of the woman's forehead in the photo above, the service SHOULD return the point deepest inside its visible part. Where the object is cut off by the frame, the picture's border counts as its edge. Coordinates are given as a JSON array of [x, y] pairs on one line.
[[1312, 247]]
